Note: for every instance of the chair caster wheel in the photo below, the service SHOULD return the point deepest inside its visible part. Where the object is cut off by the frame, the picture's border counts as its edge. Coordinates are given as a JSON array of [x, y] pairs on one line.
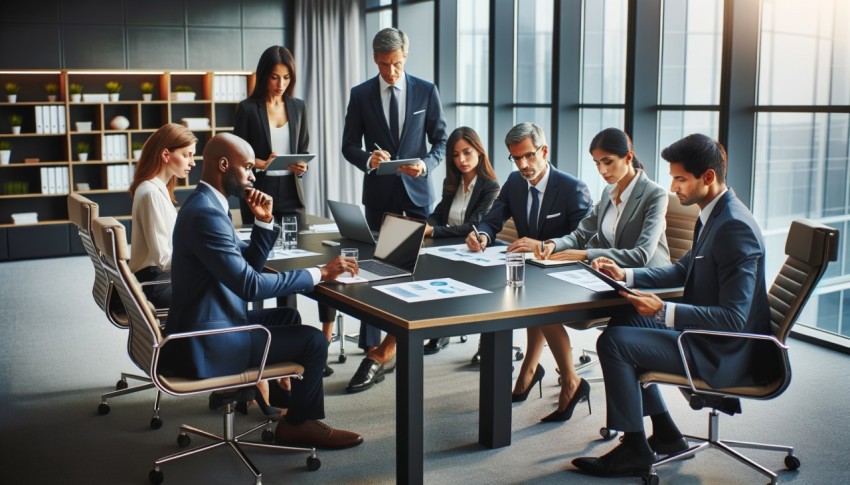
[[103, 409], [268, 435], [607, 433], [584, 359], [792, 462], [155, 477], [156, 423], [342, 358], [518, 355], [183, 440], [463, 339], [650, 478], [122, 384], [313, 463]]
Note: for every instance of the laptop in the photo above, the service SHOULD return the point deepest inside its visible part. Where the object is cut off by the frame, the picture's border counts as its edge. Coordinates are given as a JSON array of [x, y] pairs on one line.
[[397, 250], [351, 222]]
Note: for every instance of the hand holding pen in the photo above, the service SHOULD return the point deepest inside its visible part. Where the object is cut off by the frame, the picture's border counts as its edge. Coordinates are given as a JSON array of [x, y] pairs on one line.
[[474, 241], [378, 156]]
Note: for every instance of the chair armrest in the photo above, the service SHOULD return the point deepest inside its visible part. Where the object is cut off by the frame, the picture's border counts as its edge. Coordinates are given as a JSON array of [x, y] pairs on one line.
[[206, 333], [733, 335]]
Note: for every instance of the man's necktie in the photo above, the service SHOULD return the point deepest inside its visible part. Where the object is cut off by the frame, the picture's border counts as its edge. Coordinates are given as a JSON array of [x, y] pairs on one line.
[[697, 230], [533, 215], [394, 114]]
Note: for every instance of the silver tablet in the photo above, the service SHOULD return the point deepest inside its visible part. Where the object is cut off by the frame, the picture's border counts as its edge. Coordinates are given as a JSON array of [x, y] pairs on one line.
[[282, 162], [390, 167]]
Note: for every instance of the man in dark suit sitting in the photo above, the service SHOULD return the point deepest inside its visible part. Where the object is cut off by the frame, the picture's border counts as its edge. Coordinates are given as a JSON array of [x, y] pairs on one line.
[[395, 114], [724, 290], [214, 274]]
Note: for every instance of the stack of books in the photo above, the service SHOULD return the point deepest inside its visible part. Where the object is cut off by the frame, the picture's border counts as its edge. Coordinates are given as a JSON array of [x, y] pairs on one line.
[[25, 218], [196, 123]]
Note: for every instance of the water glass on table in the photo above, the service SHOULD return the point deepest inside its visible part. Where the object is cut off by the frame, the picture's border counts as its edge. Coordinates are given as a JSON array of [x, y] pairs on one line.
[[289, 231], [350, 253], [515, 269]]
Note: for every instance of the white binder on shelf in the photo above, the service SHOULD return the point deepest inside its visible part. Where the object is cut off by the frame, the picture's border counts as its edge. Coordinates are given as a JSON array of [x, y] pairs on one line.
[[61, 119], [110, 177], [65, 183], [54, 119], [51, 180], [39, 127], [45, 180]]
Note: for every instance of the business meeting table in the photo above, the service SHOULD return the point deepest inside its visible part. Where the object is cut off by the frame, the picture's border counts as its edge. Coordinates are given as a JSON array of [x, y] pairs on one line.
[[543, 300]]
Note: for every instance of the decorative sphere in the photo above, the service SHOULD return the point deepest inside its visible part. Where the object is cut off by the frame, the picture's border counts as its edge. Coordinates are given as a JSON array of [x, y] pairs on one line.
[[119, 123]]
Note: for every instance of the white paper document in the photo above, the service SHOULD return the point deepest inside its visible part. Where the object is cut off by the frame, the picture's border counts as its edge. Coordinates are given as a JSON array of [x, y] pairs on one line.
[[492, 256], [438, 289], [324, 228], [583, 278], [290, 253]]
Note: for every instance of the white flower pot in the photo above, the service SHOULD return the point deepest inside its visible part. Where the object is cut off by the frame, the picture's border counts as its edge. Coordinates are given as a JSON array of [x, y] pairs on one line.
[[147, 96], [137, 154], [4, 156], [83, 157], [12, 97], [16, 130], [76, 98], [51, 98], [114, 96]]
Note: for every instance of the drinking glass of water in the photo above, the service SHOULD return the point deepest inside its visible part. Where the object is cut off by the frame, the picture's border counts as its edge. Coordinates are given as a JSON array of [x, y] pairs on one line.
[[514, 269], [350, 253], [289, 231]]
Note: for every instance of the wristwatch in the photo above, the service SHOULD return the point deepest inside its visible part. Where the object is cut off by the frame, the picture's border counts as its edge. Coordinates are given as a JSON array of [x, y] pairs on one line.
[[661, 315]]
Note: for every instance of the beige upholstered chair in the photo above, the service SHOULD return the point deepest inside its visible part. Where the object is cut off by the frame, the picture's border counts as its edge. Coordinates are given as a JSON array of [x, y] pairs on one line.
[[82, 212], [810, 247], [146, 342], [680, 221]]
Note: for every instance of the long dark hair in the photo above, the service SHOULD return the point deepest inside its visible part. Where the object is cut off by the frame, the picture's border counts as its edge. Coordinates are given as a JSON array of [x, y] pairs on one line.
[[616, 141], [273, 56], [484, 169]]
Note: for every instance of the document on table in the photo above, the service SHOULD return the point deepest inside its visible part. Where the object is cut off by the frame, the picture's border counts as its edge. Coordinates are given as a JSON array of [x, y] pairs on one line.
[[290, 253], [316, 228], [438, 289], [492, 256], [583, 278]]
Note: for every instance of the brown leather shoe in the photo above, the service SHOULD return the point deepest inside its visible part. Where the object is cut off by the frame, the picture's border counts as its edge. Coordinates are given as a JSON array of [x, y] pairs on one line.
[[315, 433]]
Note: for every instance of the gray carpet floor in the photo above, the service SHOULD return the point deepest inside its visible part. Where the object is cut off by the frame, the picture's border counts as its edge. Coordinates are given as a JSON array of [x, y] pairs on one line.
[[58, 354]]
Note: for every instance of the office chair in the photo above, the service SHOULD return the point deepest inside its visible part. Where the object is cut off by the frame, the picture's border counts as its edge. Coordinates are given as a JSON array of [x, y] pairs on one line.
[[81, 212], [810, 247], [147, 341]]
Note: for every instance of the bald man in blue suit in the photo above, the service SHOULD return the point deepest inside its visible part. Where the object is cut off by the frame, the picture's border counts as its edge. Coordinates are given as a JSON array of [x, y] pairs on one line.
[[214, 273]]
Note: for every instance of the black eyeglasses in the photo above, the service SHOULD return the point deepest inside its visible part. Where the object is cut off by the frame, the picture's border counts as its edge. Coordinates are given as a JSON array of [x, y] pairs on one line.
[[528, 156]]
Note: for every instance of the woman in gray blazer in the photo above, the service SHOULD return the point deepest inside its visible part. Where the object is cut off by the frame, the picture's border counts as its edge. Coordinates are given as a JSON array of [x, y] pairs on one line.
[[627, 225]]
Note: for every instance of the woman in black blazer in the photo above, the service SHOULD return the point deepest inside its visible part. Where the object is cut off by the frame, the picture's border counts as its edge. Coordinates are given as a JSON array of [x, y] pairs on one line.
[[469, 189]]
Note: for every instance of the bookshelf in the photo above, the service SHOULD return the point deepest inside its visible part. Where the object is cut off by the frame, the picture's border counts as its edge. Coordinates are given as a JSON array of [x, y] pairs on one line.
[[44, 165]]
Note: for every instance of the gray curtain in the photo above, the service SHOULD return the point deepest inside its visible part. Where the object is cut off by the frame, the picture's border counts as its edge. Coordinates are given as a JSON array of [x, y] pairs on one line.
[[328, 38]]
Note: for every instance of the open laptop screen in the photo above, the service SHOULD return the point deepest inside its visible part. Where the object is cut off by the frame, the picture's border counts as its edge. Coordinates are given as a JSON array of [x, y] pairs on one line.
[[399, 241]]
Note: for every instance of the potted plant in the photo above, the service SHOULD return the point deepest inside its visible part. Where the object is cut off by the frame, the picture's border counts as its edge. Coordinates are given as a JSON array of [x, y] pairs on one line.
[[51, 89], [76, 91], [114, 90], [15, 121], [11, 91], [5, 152], [183, 93], [82, 151], [147, 90], [137, 149]]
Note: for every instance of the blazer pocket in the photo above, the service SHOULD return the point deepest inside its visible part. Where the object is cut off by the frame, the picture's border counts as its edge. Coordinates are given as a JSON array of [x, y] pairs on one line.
[[418, 112], [552, 216]]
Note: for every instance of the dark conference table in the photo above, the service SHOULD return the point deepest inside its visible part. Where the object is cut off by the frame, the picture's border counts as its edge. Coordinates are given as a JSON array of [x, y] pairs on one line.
[[543, 300]]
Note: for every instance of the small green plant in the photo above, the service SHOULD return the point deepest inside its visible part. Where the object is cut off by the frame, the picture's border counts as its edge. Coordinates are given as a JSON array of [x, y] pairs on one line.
[[82, 147], [51, 89], [15, 120], [113, 87], [5, 145], [11, 88], [182, 88], [146, 87], [75, 88], [136, 145]]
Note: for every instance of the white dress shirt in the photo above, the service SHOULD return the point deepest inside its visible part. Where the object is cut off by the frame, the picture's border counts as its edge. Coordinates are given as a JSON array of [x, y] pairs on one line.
[[457, 212], [153, 223], [400, 94]]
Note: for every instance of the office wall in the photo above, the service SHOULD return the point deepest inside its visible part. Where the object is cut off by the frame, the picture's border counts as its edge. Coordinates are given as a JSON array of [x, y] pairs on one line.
[[140, 34]]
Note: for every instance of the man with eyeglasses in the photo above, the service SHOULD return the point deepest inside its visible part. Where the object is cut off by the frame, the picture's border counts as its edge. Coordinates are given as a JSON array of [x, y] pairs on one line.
[[395, 114], [544, 202]]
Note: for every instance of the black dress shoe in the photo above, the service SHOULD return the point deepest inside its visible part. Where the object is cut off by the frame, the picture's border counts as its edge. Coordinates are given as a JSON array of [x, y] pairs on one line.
[[368, 374], [668, 447], [619, 462], [328, 371], [435, 344]]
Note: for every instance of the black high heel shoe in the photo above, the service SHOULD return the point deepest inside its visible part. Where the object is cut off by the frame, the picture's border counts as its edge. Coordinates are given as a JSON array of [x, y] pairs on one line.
[[537, 379], [268, 411], [582, 394]]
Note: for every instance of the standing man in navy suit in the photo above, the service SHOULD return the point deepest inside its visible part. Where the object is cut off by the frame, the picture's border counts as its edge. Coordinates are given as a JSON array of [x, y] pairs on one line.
[[214, 273], [725, 290], [395, 114]]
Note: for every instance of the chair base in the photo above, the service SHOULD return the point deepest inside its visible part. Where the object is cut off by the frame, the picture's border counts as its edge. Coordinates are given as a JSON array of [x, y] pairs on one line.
[[792, 462], [235, 443], [122, 388]]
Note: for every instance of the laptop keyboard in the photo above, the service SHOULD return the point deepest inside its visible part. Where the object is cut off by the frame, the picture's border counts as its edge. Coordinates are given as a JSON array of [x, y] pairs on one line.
[[379, 268]]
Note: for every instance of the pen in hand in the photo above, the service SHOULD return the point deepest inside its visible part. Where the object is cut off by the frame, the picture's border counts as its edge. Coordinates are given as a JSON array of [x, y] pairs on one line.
[[477, 236]]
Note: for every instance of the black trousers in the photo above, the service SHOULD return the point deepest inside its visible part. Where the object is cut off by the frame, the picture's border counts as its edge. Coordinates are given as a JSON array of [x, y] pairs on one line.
[[293, 342]]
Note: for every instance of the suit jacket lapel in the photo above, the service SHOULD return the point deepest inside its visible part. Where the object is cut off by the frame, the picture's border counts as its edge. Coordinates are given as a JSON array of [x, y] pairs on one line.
[[707, 229], [264, 121], [549, 198], [293, 126], [473, 198], [601, 209], [378, 108], [408, 108], [630, 207]]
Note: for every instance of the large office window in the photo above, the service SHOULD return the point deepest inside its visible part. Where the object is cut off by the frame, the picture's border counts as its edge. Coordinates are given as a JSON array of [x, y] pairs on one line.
[[802, 132], [473, 52], [533, 89]]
